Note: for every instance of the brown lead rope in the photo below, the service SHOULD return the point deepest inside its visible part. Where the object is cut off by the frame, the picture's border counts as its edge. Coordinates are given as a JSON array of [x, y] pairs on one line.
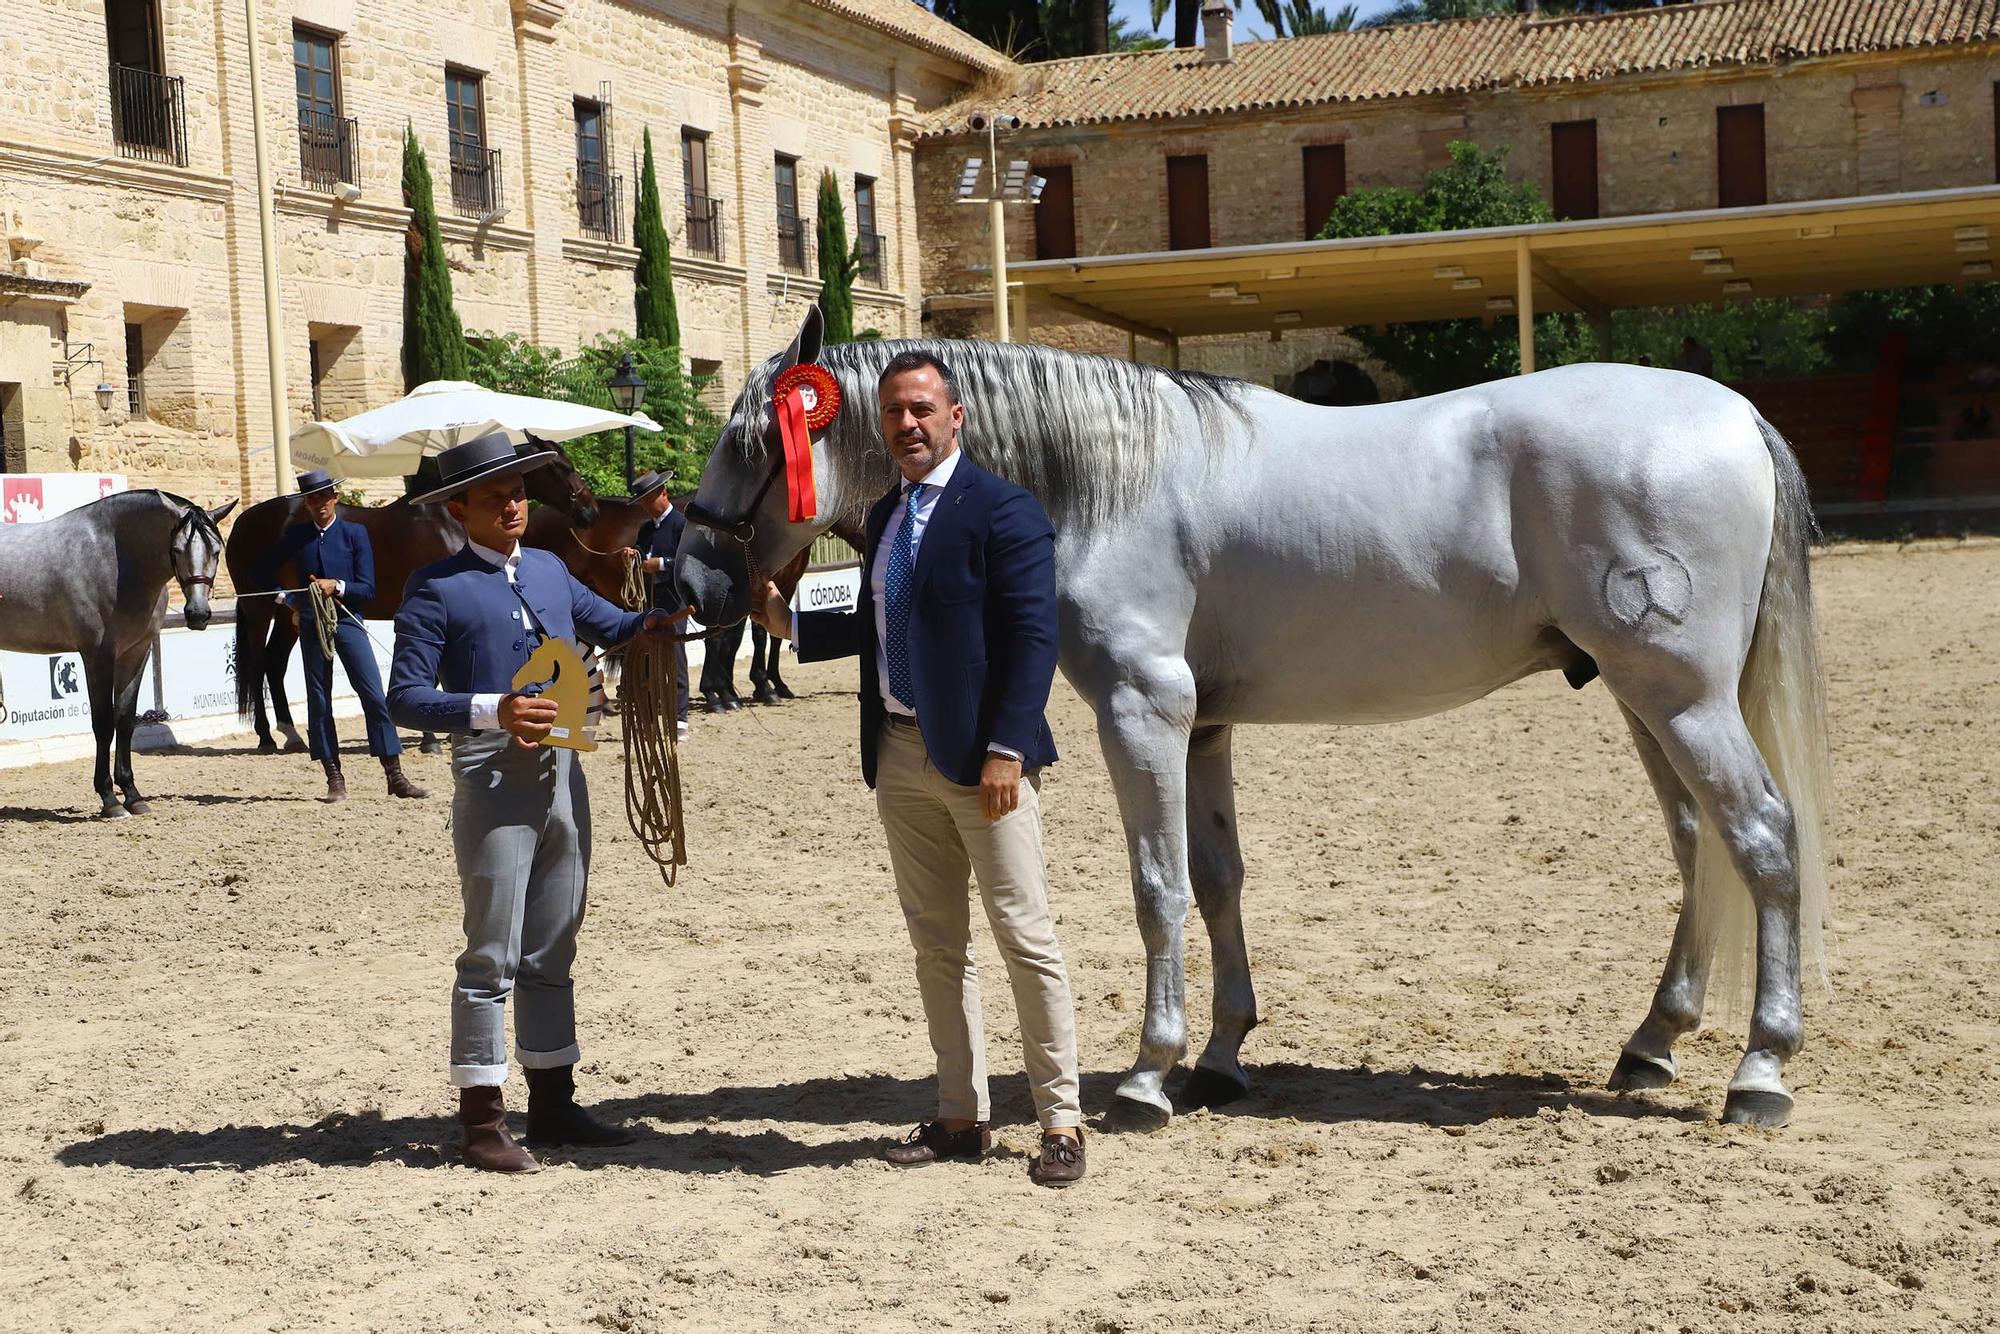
[[646, 697]]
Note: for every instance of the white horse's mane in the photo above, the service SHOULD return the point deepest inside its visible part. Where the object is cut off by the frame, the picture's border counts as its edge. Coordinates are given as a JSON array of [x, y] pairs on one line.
[[1088, 435]]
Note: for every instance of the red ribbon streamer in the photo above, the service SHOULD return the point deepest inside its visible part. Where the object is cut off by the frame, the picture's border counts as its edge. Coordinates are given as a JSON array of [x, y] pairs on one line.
[[801, 500]]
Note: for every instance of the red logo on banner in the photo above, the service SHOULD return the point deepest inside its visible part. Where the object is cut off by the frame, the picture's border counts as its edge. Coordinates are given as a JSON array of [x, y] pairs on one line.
[[20, 499]]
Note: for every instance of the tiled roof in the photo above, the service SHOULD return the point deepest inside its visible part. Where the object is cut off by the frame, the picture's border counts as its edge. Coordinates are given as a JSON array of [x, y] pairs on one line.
[[918, 26], [1465, 55]]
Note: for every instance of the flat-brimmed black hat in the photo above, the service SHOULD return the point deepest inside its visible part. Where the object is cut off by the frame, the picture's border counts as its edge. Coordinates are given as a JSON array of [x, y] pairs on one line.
[[646, 483], [315, 480], [489, 455]]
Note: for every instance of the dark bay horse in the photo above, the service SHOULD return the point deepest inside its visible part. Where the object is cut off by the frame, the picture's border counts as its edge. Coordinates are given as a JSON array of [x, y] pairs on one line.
[[405, 538], [94, 582]]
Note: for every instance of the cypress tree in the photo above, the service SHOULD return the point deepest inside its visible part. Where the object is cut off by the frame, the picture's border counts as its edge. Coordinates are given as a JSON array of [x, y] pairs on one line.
[[836, 265], [433, 339], [653, 279]]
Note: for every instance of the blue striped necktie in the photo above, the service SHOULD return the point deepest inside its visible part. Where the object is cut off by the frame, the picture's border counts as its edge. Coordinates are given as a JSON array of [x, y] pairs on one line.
[[896, 602]]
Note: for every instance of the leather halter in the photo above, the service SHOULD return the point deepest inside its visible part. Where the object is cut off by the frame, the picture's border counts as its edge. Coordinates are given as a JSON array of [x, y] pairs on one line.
[[744, 530]]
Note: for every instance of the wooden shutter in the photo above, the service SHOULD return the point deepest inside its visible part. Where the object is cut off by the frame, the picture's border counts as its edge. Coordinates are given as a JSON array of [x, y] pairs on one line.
[[1739, 155], [1187, 203], [1326, 182], [1055, 215], [1573, 168]]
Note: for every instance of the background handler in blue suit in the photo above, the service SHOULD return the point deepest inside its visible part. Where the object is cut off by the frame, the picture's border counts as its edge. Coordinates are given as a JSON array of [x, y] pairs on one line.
[[659, 537], [520, 816], [336, 555], [956, 630]]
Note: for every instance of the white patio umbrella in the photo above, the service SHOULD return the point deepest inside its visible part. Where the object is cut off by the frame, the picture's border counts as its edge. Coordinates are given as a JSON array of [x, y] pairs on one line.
[[390, 440]]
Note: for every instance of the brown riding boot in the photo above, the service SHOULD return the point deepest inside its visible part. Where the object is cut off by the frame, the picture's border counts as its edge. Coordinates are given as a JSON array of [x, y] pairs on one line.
[[482, 1112], [336, 782], [400, 786], [554, 1117]]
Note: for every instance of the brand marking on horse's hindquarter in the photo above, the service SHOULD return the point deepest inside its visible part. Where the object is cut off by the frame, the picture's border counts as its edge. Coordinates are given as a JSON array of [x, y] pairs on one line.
[[1662, 586]]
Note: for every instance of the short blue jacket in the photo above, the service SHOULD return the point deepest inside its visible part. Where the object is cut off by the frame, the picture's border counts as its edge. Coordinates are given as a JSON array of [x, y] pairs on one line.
[[342, 552], [460, 633]]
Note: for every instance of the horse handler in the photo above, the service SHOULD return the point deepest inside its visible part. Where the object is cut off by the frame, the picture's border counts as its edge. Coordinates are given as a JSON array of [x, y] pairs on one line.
[[520, 815], [335, 556], [956, 631]]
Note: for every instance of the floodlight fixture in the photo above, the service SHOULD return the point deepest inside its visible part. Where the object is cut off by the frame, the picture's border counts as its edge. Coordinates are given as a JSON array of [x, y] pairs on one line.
[[968, 177], [1016, 181], [1036, 184]]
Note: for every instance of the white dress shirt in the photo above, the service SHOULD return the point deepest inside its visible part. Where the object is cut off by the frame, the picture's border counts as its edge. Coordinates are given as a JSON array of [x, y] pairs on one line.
[[339, 585], [486, 708]]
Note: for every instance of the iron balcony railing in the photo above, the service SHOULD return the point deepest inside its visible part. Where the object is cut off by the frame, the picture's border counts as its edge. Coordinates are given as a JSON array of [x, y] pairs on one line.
[[869, 266], [326, 149], [148, 115], [794, 243], [600, 202], [475, 181], [704, 226]]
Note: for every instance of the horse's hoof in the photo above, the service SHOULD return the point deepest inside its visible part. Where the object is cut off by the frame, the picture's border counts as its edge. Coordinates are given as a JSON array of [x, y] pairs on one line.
[[1633, 1073], [1766, 1109], [1210, 1088], [113, 811], [139, 806], [294, 746], [430, 745], [1129, 1116], [266, 746]]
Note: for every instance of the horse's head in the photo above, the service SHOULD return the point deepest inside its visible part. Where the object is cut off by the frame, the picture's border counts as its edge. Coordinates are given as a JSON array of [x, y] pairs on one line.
[[739, 511], [561, 485], [195, 549]]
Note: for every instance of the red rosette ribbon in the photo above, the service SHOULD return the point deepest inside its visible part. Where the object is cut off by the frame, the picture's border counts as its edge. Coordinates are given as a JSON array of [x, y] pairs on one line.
[[807, 398]]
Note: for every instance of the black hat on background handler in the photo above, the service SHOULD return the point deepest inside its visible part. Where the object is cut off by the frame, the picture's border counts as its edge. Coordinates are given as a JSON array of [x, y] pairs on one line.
[[648, 482], [491, 455], [315, 480]]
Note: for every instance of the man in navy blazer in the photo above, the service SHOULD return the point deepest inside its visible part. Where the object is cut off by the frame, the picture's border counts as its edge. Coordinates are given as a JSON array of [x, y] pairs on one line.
[[658, 539], [956, 630], [334, 555], [520, 813]]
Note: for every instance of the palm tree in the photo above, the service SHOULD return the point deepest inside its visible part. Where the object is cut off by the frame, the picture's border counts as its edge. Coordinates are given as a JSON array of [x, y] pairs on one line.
[[1306, 19]]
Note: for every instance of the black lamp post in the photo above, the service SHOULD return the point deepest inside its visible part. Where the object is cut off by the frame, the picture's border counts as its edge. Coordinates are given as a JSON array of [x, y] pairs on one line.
[[628, 395]]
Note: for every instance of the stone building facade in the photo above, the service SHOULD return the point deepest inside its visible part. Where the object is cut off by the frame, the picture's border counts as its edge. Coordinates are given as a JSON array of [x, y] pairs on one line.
[[129, 243], [1836, 100]]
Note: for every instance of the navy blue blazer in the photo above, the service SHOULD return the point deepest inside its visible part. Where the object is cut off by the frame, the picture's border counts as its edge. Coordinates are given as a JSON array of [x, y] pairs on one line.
[[982, 626], [341, 552], [662, 537], [460, 633]]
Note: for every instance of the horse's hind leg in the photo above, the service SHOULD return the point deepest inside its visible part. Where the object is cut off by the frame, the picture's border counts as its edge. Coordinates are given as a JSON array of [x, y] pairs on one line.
[[1215, 868], [1143, 724], [277, 660], [1647, 1062], [1711, 749]]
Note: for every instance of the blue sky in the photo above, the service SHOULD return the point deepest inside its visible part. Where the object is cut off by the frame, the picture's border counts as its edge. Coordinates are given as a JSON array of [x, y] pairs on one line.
[[1138, 15]]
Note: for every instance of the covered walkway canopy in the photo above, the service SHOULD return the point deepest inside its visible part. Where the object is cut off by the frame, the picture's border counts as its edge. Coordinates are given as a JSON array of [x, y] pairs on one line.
[[1595, 266]]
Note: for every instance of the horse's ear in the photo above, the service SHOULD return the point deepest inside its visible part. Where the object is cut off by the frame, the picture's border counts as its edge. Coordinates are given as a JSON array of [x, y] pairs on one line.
[[221, 512], [805, 348]]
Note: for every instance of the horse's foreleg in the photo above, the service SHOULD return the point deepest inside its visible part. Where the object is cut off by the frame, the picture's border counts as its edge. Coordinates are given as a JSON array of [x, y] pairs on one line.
[[130, 669], [1647, 1061], [1144, 726], [1712, 751], [100, 677], [1215, 868], [277, 661]]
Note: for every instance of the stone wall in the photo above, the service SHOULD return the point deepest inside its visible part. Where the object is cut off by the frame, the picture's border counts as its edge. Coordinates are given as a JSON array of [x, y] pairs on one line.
[[176, 248]]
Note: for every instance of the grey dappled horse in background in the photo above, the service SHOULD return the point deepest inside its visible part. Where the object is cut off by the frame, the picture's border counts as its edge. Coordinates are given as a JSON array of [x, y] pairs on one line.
[[1228, 555], [94, 582]]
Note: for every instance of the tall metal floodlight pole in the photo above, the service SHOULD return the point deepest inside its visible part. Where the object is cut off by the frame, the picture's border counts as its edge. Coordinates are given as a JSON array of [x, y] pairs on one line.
[[1017, 187], [274, 339]]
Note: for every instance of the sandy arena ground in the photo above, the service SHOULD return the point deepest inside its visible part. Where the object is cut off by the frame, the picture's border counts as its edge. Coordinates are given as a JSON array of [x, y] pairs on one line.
[[222, 1100]]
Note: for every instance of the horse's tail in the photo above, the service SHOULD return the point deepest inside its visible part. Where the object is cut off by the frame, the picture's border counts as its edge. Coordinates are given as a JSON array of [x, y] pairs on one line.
[[253, 623], [1783, 698]]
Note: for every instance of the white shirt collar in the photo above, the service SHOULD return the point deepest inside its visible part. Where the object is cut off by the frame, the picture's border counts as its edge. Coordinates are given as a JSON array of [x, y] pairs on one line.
[[938, 476], [498, 560]]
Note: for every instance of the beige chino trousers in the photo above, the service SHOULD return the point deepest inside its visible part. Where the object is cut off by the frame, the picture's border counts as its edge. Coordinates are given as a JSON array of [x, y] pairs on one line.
[[938, 837]]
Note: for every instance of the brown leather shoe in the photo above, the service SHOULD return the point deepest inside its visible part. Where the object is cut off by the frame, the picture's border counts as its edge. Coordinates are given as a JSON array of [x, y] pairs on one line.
[[488, 1146], [399, 783], [1060, 1161], [555, 1118], [931, 1142]]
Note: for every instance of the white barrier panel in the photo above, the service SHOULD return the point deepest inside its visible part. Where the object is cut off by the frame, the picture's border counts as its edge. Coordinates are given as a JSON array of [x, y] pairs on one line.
[[34, 496]]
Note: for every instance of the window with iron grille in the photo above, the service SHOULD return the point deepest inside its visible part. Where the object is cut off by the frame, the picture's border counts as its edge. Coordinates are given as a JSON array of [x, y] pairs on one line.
[[135, 371], [472, 163], [704, 210], [867, 240], [326, 138], [597, 189], [791, 227], [148, 111]]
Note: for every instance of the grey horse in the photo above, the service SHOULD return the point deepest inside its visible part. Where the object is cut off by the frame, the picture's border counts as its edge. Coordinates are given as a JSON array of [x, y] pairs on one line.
[[94, 582], [1228, 555]]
